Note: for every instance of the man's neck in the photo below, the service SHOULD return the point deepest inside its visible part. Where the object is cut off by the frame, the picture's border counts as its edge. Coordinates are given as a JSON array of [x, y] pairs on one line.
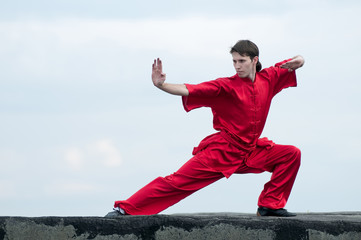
[[252, 76]]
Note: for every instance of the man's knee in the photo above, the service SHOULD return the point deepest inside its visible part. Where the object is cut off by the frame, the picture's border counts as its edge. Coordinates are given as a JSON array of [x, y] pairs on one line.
[[295, 154]]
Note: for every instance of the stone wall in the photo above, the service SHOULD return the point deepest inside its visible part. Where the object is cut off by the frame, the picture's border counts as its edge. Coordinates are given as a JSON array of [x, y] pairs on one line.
[[227, 226]]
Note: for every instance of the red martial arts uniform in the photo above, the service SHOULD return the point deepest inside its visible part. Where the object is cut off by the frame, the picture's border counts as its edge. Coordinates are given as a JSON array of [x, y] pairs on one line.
[[240, 109]]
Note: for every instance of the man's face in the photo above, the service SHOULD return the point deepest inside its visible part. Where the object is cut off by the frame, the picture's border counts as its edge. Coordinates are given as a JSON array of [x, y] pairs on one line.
[[244, 66]]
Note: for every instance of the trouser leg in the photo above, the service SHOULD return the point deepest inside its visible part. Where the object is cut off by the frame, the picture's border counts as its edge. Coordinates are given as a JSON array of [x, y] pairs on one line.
[[283, 161], [162, 193]]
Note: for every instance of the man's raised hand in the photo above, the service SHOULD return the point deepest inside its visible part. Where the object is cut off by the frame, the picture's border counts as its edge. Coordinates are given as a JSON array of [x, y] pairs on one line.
[[158, 77], [293, 64]]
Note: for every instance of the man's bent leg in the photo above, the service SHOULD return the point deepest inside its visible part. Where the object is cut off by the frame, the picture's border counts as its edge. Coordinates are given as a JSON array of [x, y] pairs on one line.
[[162, 193], [283, 161]]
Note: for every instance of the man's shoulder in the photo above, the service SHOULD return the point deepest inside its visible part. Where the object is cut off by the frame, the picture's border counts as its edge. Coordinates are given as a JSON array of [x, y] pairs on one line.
[[221, 80], [267, 73], [227, 79]]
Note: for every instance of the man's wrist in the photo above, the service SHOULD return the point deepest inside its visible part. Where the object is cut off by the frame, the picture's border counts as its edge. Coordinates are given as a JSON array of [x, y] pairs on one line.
[[161, 85], [300, 59]]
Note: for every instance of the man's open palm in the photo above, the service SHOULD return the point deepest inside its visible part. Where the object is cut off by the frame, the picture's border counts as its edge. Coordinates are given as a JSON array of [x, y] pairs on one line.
[[158, 77]]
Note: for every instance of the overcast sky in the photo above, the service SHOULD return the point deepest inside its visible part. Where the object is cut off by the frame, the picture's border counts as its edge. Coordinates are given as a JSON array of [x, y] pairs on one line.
[[81, 124]]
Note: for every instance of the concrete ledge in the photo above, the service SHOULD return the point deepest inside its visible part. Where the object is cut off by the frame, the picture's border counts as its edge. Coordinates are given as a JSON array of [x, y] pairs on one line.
[[330, 226]]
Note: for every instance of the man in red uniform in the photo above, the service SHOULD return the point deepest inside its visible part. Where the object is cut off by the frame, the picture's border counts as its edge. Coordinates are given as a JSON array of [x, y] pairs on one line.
[[240, 105]]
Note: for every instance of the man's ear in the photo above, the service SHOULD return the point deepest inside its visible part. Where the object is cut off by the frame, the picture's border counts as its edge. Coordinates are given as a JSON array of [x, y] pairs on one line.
[[255, 59]]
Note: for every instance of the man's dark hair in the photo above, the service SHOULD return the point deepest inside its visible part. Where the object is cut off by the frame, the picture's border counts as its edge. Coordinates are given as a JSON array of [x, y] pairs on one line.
[[247, 48]]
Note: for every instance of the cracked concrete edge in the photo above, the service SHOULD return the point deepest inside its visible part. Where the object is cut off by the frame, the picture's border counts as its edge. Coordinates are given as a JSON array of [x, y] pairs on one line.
[[312, 226]]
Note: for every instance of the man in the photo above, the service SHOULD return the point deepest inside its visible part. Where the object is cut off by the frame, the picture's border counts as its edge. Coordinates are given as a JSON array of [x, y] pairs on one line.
[[240, 105]]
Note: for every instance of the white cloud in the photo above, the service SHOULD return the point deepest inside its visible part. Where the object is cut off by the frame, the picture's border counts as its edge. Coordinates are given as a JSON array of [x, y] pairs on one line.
[[74, 157], [101, 153], [184, 36], [109, 153], [85, 51]]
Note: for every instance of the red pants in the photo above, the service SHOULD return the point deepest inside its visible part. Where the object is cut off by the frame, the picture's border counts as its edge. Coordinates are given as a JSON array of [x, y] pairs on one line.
[[282, 160]]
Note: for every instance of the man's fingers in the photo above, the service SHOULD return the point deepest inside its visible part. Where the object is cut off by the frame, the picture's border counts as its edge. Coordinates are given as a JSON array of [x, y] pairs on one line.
[[285, 65], [288, 65], [154, 65], [159, 62]]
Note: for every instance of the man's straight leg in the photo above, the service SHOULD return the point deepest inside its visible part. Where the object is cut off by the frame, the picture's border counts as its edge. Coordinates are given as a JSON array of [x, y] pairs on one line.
[[162, 193]]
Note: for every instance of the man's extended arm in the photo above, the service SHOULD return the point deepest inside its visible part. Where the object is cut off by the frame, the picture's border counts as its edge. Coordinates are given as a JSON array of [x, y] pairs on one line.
[[294, 63], [158, 78]]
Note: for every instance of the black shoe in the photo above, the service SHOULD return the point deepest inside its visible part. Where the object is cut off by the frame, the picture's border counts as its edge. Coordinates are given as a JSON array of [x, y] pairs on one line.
[[281, 212], [114, 214]]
